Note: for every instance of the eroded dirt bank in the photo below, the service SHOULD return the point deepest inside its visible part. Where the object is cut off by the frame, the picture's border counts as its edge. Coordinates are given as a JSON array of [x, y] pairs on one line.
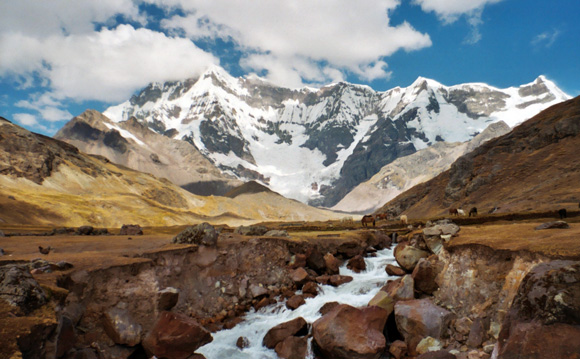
[[478, 282], [214, 285]]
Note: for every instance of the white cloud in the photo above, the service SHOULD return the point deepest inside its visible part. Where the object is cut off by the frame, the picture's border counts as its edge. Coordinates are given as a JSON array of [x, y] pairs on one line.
[[546, 39], [41, 18], [25, 119], [28, 120], [291, 39], [108, 65], [450, 11]]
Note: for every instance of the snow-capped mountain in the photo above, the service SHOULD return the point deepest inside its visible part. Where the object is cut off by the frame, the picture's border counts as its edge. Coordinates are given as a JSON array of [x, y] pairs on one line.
[[406, 172], [315, 145]]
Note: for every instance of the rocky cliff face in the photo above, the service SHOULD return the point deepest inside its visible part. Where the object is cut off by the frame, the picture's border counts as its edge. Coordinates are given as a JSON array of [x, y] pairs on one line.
[[531, 168], [134, 145], [406, 172], [315, 145]]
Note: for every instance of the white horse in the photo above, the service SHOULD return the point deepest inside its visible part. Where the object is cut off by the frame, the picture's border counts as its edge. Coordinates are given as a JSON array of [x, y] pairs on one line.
[[460, 212]]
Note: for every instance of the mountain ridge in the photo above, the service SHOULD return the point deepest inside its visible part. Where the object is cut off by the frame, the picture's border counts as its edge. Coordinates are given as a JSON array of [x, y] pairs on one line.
[[533, 167], [45, 181], [315, 145]]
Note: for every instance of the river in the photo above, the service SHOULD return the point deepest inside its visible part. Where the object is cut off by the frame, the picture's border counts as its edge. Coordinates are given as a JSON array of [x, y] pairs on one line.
[[256, 324]]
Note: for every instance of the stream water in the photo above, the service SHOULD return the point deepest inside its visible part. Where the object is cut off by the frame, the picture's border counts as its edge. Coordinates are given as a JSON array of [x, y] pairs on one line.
[[256, 324]]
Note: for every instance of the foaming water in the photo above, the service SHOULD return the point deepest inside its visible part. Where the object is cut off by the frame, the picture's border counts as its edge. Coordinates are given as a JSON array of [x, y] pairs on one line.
[[256, 324]]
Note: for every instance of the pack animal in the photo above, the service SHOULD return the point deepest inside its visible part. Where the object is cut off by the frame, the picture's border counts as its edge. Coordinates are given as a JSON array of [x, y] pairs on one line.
[[460, 212], [453, 211], [473, 211], [562, 213], [367, 219], [382, 216], [404, 219]]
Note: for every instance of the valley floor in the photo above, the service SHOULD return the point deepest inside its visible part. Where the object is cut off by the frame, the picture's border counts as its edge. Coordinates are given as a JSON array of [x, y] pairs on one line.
[[104, 252]]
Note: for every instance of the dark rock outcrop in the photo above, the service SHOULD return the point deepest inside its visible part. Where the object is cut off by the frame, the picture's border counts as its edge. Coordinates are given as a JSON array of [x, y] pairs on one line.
[[203, 234], [131, 230], [252, 230], [19, 289], [545, 314]]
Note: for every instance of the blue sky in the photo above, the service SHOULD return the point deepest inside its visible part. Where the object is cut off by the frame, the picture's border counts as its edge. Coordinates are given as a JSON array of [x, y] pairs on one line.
[[60, 57]]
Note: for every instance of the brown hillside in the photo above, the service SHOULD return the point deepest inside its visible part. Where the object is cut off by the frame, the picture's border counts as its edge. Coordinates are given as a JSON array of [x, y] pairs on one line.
[[536, 167], [44, 181]]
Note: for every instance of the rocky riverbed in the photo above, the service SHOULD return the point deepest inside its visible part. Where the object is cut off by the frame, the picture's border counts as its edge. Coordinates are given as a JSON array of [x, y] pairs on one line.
[[442, 295]]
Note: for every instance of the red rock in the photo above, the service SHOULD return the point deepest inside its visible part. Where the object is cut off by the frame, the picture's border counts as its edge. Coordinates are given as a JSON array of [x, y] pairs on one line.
[[327, 307], [175, 336], [357, 264], [395, 270], [351, 333], [398, 349], [425, 273], [310, 288], [295, 302], [534, 340], [299, 276], [323, 279], [420, 318], [284, 330], [297, 261], [476, 334], [337, 279], [331, 263], [292, 348], [263, 303], [315, 260], [400, 289], [439, 354], [242, 342]]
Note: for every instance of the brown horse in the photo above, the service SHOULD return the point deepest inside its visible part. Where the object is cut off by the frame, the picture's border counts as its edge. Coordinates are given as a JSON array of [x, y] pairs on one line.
[[382, 216], [367, 218], [453, 211]]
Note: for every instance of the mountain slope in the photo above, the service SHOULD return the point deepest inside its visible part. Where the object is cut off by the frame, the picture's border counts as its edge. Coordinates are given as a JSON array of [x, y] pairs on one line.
[[406, 172], [315, 145], [44, 181], [534, 167], [131, 144]]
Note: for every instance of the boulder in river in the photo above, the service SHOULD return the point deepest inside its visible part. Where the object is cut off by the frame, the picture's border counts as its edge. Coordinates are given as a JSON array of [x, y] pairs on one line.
[[294, 327], [347, 332]]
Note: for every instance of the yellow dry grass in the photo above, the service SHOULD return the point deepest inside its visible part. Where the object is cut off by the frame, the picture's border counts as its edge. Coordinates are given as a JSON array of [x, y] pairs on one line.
[[521, 236]]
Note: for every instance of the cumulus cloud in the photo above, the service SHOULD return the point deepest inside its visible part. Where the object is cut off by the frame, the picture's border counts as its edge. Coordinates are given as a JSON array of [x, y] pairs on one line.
[[450, 11], [293, 41], [108, 65], [26, 119], [40, 18], [47, 107]]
